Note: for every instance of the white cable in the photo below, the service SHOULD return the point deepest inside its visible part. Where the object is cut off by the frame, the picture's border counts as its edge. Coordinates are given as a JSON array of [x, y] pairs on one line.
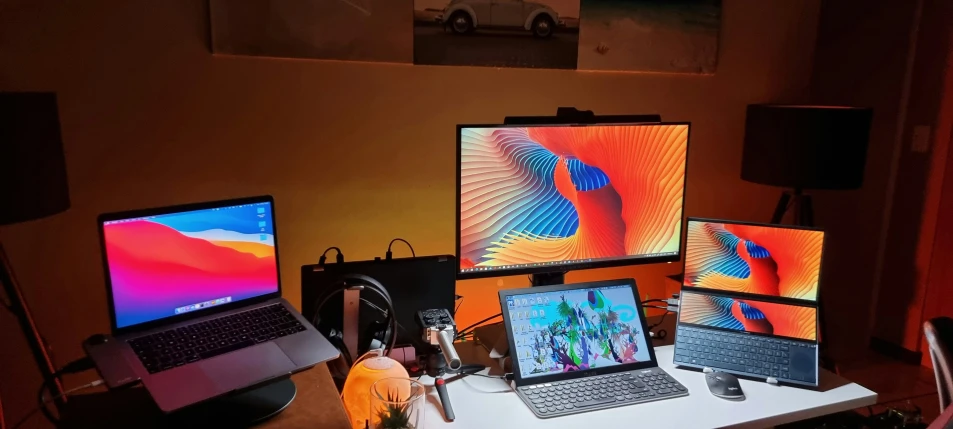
[[48, 400], [75, 389]]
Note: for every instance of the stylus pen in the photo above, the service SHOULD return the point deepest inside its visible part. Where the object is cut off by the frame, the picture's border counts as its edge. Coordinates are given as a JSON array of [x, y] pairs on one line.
[[444, 399]]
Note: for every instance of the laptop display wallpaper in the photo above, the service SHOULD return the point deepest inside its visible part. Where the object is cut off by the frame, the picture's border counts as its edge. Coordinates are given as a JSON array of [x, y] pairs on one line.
[[575, 330], [161, 266], [748, 315], [548, 194], [761, 260]]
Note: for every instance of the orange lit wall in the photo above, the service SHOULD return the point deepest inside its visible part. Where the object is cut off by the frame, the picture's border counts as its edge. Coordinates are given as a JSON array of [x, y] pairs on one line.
[[860, 60], [354, 153], [916, 219], [938, 290]]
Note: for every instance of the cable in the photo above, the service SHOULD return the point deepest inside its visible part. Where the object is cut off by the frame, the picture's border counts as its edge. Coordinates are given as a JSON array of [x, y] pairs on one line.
[[466, 330], [324, 256], [655, 307], [457, 308], [78, 365], [384, 313], [389, 255], [43, 402], [660, 336], [654, 300]]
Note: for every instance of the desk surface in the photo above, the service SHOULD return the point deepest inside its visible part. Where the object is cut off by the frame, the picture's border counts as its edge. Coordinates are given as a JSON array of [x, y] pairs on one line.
[[482, 403]]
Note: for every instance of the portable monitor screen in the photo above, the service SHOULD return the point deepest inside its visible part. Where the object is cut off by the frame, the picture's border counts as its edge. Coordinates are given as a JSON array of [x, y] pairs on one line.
[[170, 264], [763, 260], [575, 330]]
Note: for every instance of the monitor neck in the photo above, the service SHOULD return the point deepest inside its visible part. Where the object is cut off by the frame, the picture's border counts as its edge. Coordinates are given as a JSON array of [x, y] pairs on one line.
[[549, 279]]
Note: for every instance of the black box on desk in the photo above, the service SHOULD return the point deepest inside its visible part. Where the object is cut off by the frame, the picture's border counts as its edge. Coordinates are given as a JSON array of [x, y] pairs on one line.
[[413, 283]]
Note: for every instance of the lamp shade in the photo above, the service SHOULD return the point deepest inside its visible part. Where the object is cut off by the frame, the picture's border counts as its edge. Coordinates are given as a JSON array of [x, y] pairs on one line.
[[32, 166], [806, 147], [357, 388]]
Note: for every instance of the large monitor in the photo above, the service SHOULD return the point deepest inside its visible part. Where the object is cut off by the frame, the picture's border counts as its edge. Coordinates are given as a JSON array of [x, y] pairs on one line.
[[552, 198]]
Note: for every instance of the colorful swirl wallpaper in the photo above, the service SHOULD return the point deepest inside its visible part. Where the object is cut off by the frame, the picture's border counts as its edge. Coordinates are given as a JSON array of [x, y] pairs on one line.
[[762, 260], [576, 330], [161, 263], [748, 315], [546, 194]]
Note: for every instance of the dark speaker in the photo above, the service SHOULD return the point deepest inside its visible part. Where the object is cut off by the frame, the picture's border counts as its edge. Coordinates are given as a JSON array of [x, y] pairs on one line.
[[806, 147]]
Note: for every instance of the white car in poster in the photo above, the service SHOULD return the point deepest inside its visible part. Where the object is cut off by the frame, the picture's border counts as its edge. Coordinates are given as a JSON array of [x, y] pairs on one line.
[[463, 16]]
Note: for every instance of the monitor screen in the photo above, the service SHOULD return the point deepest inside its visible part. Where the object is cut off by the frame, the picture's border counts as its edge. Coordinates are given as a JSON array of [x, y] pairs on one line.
[[575, 330], [166, 265], [748, 315], [547, 198], [757, 259]]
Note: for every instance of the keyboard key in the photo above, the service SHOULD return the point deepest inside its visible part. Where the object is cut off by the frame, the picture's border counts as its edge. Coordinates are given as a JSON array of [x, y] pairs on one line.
[[594, 402]]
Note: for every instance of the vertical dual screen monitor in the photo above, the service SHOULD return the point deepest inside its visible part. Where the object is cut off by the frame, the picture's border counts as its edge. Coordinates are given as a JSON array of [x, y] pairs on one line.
[[551, 198]]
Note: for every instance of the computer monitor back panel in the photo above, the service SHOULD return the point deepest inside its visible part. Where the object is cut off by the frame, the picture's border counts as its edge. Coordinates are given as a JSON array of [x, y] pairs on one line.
[[552, 198]]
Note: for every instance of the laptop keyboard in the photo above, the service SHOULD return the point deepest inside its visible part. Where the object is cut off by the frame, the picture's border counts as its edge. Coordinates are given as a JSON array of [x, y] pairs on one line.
[[598, 392], [175, 347], [746, 354]]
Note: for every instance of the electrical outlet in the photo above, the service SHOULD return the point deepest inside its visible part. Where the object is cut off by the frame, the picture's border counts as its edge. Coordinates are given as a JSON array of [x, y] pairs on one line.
[[920, 141]]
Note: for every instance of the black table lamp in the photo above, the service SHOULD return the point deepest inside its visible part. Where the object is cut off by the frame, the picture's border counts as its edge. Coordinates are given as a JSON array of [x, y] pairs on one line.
[[32, 186], [802, 148]]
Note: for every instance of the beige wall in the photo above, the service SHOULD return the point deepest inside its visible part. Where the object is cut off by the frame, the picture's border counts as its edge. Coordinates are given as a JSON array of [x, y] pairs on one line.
[[354, 153]]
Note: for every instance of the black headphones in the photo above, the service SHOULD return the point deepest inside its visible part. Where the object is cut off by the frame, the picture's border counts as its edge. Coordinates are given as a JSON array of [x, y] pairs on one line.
[[347, 281]]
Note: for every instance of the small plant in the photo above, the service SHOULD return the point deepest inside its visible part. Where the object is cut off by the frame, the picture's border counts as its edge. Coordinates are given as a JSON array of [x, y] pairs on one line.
[[394, 415]]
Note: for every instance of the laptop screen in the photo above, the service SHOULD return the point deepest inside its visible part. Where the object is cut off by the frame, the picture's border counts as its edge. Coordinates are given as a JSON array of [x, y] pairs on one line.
[[765, 260], [166, 265], [575, 330]]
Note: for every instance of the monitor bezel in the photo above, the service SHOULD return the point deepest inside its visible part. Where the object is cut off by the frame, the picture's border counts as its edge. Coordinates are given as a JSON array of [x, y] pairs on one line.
[[560, 376], [621, 261], [111, 303], [770, 298]]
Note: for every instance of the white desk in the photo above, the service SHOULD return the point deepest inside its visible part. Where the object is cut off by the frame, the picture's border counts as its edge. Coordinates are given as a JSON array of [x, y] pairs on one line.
[[485, 403]]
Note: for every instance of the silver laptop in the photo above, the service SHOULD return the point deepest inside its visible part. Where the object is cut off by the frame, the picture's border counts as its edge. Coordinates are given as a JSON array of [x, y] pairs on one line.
[[195, 302]]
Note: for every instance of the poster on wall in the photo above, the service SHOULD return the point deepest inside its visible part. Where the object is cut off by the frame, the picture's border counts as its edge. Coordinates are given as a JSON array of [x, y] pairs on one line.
[[497, 33], [355, 30], [675, 36]]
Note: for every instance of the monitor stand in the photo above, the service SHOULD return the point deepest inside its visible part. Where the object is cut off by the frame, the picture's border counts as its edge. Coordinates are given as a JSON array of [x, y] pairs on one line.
[[549, 279], [493, 336]]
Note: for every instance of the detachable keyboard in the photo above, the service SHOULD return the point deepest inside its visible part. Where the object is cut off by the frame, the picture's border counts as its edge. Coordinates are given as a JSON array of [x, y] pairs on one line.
[[175, 347], [745, 354], [602, 391]]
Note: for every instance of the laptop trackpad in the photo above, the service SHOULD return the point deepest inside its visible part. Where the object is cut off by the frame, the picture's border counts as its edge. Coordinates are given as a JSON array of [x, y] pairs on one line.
[[247, 367]]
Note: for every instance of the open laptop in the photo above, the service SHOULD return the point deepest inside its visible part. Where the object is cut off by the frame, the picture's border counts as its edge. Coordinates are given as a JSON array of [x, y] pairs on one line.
[[195, 300], [749, 301], [582, 347]]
